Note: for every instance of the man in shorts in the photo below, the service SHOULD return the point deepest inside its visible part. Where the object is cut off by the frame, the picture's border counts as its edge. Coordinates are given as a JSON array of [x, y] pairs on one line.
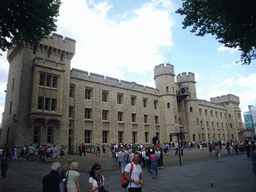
[[135, 178]]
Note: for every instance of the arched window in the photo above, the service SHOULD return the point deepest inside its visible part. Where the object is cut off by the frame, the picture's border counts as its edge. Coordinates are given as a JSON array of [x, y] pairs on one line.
[[194, 137], [168, 105], [167, 89]]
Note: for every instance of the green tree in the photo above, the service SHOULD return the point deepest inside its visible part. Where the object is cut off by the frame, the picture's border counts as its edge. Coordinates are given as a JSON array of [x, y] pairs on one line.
[[233, 22], [26, 20]]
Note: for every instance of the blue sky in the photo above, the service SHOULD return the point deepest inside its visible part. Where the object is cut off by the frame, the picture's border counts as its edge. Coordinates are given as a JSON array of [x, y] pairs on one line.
[[125, 39]]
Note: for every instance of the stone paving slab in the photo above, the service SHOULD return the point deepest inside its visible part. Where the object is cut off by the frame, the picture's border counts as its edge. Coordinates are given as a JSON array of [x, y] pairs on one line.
[[198, 171]]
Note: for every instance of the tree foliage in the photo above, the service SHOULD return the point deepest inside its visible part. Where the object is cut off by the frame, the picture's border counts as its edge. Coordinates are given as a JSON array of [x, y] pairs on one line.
[[233, 22], [26, 20]]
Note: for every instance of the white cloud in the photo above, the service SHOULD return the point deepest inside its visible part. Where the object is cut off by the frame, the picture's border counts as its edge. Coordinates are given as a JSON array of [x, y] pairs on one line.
[[248, 81], [197, 76], [104, 45], [231, 50]]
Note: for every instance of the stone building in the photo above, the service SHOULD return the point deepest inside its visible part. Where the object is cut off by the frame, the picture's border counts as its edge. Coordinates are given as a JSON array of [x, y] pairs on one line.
[[47, 103]]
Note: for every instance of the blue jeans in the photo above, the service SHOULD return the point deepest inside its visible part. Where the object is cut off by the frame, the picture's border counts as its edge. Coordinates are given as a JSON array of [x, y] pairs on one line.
[[123, 164], [154, 166], [176, 151]]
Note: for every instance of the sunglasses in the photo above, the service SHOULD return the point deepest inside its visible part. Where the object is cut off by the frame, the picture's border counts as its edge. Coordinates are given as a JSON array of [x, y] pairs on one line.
[[98, 168]]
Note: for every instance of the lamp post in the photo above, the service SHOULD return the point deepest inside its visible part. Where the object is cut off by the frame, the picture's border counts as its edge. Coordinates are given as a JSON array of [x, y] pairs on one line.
[[179, 135]]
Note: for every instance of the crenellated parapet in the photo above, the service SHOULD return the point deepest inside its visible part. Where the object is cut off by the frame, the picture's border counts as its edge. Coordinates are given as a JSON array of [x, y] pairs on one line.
[[211, 105], [225, 99], [109, 81], [54, 46], [186, 77], [162, 69]]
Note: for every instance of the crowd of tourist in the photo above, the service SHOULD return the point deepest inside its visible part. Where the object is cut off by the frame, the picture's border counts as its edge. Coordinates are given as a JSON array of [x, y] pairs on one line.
[[129, 157]]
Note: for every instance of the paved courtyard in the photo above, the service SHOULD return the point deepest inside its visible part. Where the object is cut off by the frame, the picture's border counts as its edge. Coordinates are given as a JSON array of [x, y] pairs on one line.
[[198, 172]]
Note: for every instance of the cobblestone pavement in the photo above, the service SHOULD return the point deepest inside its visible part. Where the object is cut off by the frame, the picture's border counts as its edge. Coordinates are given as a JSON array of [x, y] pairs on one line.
[[198, 172]]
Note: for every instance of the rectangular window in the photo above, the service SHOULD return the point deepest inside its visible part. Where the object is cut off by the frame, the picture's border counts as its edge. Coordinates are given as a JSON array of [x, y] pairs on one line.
[[104, 115], [10, 110], [88, 113], [72, 91], [134, 137], [42, 79], [120, 116], [119, 98], [120, 136], [231, 125], [40, 103], [133, 117], [145, 118], [47, 104], [157, 135], [133, 100], [145, 103], [211, 113], [54, 81], [87, 136], [200, 111], [197, 121], [71, 111], [104, 96], [155, 104], [48, 80], [36, 134], [180, 122], [50, 135], [88, 93], [156, 120], [146, 137], [205, 112], [13, 82], [104, 136], [54, 105]]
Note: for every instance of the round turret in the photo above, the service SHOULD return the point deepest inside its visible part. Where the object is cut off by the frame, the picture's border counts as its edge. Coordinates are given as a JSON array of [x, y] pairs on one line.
[[162, 69]]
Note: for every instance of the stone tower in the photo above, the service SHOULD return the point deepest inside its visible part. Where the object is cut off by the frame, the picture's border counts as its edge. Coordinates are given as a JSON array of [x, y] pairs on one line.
[[165, 82], [37, 95], [233, 114], [187, 108]]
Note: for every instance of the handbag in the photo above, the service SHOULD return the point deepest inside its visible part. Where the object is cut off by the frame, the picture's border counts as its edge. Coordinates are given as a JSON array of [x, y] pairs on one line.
[[125, 182], [65, 184]]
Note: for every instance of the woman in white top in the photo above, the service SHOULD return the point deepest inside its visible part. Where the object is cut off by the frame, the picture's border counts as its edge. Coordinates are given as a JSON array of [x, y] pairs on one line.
[[96, 180]]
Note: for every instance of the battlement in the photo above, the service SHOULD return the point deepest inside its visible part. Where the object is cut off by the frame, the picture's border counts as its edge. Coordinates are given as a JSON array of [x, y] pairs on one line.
[[162, 69], [186, 77], [110, 81], [225, 98], [56, 41], [211, 105]]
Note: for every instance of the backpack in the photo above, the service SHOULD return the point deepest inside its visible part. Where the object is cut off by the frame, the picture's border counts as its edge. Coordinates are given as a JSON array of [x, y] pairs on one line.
[[125, 182]]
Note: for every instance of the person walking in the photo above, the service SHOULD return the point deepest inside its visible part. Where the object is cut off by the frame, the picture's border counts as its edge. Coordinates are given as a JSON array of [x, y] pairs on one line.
[[154, 164], [52, 181], [122, 159], [62, 151], [135, 179], [228, 147], [217, 151], [210, 148], [66, 168], [15, 154], [98, 150], [5, 161], [96, 180], [176, 148], [83, 149], [72, 177], [54, 152], [104, 150]]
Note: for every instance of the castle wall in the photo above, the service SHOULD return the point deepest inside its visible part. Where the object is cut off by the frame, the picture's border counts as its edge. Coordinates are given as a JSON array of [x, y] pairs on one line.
[[115, 110]]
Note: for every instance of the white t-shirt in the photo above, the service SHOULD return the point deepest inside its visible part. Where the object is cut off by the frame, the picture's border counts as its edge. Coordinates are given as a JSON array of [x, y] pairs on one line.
[[94, 182], [176, 145], [135, 174]]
